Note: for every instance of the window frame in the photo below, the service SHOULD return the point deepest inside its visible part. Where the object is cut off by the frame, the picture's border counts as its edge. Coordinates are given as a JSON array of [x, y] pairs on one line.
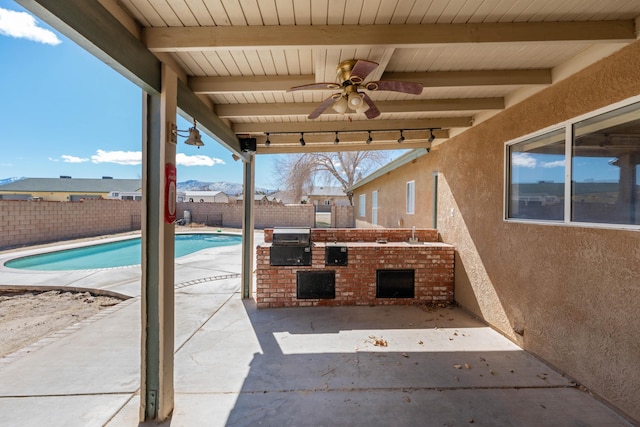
[[568, 126], [410, 197], [374, 207], [362, 205]]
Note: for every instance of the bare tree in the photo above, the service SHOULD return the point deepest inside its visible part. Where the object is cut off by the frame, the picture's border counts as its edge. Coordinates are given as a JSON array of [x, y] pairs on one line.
[[298, 172]]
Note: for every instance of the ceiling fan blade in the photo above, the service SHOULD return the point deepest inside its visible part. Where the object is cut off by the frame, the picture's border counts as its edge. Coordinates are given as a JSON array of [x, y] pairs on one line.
[[361, 70], [404, 87], [315, 86], [373, 111], [325, 104]]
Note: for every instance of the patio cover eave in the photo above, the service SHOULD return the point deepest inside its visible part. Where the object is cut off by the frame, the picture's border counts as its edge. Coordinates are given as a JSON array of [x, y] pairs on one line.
[[91, 26]]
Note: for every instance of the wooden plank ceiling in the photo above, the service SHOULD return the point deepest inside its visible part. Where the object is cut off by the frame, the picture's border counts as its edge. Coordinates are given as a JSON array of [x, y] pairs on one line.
[[472, 57]]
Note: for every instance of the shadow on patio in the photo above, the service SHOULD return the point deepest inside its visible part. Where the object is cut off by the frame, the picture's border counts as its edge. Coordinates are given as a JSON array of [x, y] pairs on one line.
[[325, 366]]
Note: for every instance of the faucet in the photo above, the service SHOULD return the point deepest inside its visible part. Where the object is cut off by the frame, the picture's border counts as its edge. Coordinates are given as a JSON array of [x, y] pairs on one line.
[[413, 235]]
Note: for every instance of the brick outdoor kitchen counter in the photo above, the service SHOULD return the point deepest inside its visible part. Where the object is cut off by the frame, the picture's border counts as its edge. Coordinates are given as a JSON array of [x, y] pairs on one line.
[[372, 271]]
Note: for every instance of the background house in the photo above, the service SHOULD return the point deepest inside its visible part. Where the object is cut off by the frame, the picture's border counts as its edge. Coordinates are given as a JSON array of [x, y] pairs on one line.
[[325, 196], [206, 196], [67, 189]]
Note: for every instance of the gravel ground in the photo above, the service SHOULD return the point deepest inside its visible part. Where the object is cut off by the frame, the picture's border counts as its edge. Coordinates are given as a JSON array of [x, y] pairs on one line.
[[26, 317]]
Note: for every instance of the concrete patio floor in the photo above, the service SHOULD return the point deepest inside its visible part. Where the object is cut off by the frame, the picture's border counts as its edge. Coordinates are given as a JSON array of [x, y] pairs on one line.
[[236, 365]]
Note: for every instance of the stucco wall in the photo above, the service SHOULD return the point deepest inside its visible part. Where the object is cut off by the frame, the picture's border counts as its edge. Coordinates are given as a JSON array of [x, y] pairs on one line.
[[392, 199], [575, 291]]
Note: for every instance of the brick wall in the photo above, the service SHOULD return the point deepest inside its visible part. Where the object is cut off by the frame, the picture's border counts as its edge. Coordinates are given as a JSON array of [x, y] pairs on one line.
[[432, 263], [26, 223], [365, 235]]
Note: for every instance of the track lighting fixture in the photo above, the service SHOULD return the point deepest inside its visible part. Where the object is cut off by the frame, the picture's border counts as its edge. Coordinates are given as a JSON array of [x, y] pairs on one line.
[[414, 135]]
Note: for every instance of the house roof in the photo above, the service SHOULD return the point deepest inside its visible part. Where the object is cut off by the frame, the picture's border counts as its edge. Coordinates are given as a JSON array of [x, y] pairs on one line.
[[204, 193], [326, 191], [73, 185], [473, 59], [402, 160]]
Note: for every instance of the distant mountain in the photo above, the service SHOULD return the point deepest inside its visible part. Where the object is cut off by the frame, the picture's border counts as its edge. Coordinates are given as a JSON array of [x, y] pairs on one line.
[[10, 180], [229, 188]]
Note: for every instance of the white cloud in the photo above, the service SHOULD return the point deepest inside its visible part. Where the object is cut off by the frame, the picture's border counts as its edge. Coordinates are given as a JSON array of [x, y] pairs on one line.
[[118, 157], [556, 164], [22, 25], [135, 158], [73, 159], [198, 160], [523, 160], [51, 159]]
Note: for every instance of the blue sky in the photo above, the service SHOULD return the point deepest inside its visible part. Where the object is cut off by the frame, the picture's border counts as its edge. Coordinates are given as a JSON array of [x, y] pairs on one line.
[[64, 112]]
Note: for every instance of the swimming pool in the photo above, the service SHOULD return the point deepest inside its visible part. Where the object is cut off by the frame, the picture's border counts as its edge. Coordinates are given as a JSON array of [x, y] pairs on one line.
[[121, 253]]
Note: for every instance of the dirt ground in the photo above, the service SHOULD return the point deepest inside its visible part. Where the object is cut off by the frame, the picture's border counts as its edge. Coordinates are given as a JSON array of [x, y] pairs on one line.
[[26, 317]]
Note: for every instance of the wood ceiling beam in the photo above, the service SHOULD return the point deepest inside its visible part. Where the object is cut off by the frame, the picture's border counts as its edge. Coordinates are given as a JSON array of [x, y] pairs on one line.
[[176, 39], [349, 141], [475, 78], [426, 105], [209, 85], [347, 126], [213, 85], [359, 137]]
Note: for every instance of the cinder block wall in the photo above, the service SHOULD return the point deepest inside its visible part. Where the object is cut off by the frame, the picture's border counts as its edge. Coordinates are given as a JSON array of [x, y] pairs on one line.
[[24, 223], [342, 217], [27, 223], [264, 215]]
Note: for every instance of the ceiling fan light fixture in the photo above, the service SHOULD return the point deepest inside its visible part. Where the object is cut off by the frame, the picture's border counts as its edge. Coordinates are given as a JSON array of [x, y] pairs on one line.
[[355, 100], [362, 108], [341, 105]]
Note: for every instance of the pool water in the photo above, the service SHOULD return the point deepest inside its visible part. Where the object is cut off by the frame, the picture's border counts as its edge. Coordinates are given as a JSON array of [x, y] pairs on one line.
[[117, 254]]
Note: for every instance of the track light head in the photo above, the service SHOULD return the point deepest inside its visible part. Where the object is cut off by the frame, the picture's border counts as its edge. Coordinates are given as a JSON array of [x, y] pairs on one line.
[[337, 140], [401, 137], [368, 141], [302, 139], [268, 141], [431, 135]]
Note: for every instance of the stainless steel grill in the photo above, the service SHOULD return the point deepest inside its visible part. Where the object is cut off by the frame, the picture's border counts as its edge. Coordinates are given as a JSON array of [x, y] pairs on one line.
[[290, 246]]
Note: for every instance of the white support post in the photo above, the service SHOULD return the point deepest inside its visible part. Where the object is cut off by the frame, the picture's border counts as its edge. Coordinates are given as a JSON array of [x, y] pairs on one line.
[[157, 347], [247, 227]]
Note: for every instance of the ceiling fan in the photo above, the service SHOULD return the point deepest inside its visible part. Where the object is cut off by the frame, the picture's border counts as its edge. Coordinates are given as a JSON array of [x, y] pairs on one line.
[[351, 74]]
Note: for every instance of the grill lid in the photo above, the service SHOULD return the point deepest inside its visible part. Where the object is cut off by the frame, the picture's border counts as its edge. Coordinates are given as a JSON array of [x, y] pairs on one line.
[[291, 236]]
